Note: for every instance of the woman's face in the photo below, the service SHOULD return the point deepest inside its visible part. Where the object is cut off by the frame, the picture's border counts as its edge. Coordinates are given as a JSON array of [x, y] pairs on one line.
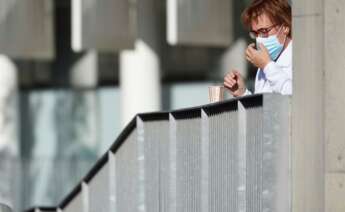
[[264, 24]]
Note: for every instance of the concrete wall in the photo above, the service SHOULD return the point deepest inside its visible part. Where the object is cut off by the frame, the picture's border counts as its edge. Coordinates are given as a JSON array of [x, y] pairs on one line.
[[24, 35], [318, 106], [334, 31]]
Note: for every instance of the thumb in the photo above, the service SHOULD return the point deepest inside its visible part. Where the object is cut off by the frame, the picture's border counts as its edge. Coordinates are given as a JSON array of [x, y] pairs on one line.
[[237, 73]]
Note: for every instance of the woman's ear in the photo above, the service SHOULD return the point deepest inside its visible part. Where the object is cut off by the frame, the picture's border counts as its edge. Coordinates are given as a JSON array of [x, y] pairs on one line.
[[286, 30]]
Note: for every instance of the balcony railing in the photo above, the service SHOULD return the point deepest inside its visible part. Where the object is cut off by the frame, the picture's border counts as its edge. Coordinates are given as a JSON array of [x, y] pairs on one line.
[[228, 156]]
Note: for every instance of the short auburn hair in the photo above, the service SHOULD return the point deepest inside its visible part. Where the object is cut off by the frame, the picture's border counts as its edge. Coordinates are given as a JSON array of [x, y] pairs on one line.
[[279, 12]]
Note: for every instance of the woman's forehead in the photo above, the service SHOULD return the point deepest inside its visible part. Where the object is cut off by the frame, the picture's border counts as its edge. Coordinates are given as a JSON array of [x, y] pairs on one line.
[[262, 21]]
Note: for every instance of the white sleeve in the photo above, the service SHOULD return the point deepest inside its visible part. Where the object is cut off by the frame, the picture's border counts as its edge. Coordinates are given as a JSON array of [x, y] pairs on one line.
[[247, 92], [279, 80]]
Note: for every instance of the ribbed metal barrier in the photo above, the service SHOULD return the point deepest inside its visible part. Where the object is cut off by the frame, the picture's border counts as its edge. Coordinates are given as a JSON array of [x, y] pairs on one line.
[[228, 156]]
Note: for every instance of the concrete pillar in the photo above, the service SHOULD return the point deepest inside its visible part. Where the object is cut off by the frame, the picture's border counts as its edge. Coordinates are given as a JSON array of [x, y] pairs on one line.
[[140, 68], [308, 107], [8, 92], [84, 72], [84, 75], [318, 115], [26, 29], [8, 125], [334, 32]]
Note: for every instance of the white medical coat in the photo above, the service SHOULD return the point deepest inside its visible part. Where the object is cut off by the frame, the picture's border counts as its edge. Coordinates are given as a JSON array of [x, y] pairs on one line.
[[276, 77]]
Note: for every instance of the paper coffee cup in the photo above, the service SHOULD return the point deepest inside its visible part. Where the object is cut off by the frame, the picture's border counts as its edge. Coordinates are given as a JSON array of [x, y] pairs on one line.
[[216, 93]]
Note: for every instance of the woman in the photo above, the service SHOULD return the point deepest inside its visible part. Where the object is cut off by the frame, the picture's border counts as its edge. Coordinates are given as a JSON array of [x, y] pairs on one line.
[[269, 22]]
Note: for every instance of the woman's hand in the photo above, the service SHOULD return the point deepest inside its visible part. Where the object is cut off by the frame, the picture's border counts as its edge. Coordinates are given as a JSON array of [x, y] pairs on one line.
[[259, 58], [235, 83]]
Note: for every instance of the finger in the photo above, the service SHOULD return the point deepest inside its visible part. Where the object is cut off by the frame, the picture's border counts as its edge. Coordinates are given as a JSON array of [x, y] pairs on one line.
[[262, 47], [228, 85], [232, 75], [252, 46], [228, 78], [238, 74], [248, 55], [227, 82], [229, 75], [249, 59], [232, 84], [247, 51], [250, 52], [230, 81]]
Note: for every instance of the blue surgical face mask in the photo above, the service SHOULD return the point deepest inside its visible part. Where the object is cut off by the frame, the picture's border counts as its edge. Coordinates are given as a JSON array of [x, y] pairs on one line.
[[272, 44]]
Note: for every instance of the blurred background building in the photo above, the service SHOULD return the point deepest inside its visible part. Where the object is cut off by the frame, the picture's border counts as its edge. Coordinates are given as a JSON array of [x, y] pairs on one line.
[[74, 72]]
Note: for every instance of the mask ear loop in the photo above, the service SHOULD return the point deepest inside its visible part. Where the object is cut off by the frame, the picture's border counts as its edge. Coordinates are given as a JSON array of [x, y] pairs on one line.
[[285, 39], [283, 43]]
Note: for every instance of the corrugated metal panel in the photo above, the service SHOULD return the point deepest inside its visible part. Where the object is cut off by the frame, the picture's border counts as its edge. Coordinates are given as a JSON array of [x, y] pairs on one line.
[[222, 158], [112, 175], [127, 175], [104, 25], [26, 29], [254, 141], [99, 191], [231, 156], [199, 22], [267, 152], [276, 154], [186, 164], [77, 204], [155, 137], [164, 166]]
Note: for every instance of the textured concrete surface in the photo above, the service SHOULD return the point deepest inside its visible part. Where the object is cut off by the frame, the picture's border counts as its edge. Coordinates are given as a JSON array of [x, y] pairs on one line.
[[335, 192], [307, 113], [318, 106], [335, 86], [334, 30], [307, 7], [96, 24], [24, 35], [194, 22]]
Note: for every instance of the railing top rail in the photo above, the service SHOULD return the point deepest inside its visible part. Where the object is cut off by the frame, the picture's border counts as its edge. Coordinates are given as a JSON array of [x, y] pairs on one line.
[[71, 195], [43, 209]]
